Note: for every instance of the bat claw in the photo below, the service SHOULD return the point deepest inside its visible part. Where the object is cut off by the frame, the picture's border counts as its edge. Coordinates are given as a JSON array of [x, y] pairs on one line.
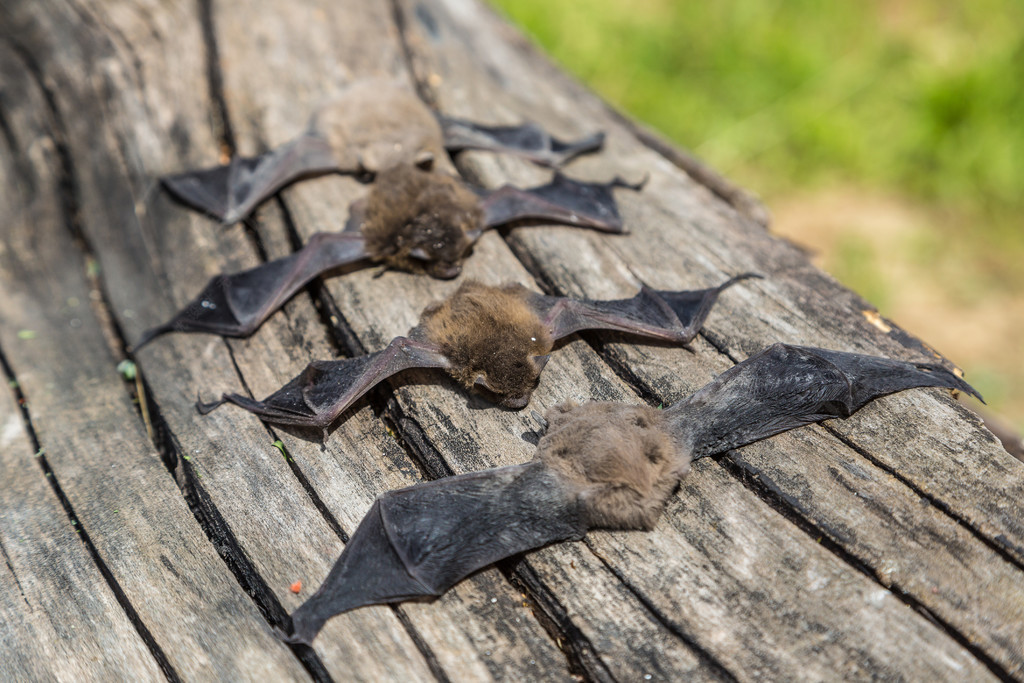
[[205, 408], [285, 637], [619, 182], [149, 335]]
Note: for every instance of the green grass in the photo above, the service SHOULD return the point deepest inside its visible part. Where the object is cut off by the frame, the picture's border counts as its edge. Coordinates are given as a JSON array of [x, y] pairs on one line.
[[926, 98]]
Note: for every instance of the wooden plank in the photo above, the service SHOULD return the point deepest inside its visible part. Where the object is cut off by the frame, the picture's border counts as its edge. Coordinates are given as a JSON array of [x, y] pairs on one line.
[[581, 263], [59, 620], [724, 586], [200, 620], [227, 467]]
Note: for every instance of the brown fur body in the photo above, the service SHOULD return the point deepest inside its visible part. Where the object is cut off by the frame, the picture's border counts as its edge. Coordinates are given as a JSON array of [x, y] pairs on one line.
[[491, 336], [376, 124], [621, 460], [419, 221]]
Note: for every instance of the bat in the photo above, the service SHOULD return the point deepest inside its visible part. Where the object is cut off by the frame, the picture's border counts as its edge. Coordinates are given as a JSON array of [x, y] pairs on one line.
[[412, 219], [598, 465], [493, 339], [372, 126]]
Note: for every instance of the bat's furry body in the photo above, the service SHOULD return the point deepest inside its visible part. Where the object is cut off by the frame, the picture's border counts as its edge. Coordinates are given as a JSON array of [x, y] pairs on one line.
[[492, 337], [495, 339], [620, 461], [420, 222], [599, 465]]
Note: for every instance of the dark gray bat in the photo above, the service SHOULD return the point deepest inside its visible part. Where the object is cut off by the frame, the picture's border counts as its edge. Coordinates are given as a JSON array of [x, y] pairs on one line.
[[414, 220], [374, 125], [599, 465], [496, 339]]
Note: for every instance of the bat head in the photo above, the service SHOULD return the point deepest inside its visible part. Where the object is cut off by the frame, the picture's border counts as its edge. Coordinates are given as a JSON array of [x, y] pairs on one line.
[[493, 339], [420, 221], [621, 459]]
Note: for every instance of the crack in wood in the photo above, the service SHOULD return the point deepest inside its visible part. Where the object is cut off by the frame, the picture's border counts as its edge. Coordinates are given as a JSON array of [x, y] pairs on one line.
[[401, 26], [215, 81], [940, 505], [10, 567], [209, 518], [68, 188], [706, 657], [223, 540], [154, 648], [297, 472], [579, 651], [787, 506]]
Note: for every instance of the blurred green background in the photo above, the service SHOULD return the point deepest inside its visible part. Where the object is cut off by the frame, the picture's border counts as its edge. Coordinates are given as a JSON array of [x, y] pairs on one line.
[[888, 137]]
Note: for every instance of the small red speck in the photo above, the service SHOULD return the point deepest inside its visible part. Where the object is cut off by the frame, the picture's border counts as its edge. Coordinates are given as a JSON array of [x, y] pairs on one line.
[[296, 587]]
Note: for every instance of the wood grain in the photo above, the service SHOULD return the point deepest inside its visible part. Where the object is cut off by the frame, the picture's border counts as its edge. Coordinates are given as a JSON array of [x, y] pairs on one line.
[[123, 498], [887, 545]]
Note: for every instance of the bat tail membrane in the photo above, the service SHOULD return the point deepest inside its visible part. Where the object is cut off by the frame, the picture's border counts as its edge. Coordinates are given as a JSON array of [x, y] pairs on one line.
[[785, 387], [529, 141], [420, 541], [236, 305], [232, 191], [563, 200]]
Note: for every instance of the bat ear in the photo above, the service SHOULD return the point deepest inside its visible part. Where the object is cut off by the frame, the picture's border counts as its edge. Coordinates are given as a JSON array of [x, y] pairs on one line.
[[540, 361], [420, 254], [424, 160], [482, 381]]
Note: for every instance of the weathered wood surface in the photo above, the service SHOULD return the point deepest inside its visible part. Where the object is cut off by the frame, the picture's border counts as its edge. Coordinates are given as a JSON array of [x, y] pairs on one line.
[[888, 545]]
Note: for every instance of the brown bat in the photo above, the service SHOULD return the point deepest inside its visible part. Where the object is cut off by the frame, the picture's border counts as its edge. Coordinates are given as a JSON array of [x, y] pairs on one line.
[[374, 125], [413, 219], [598, 466], [495, 339]]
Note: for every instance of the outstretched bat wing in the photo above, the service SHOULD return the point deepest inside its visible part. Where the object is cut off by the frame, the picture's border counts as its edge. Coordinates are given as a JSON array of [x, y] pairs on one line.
[[235, 305], [785, 387], [529, 141], [420, 541], [326, 388], [232, 191], [668, 315], [563, 200]]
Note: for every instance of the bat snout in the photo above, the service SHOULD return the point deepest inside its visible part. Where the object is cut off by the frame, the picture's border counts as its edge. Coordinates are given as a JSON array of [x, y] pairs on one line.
[[515, 402]]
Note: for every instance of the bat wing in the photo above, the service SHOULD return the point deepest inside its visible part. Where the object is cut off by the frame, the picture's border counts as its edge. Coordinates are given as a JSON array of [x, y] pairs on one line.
[[235, 305], [420, 541], [668, 315], [326, 388], [232, 191], [563, 200], [785, 387], [529, 141]]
